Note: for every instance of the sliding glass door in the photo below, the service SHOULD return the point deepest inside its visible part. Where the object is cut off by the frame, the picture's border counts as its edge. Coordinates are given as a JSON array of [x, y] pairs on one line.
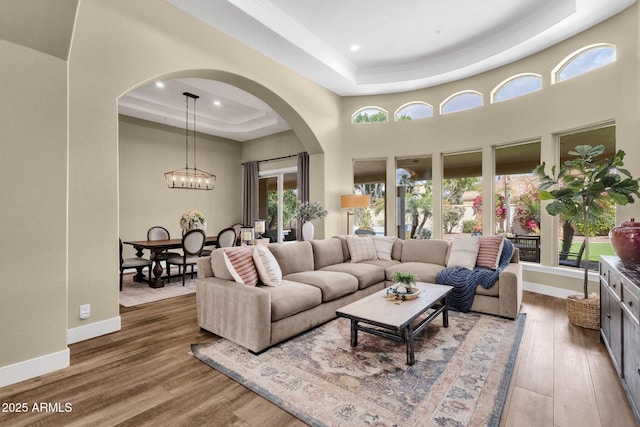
[[277, 202]]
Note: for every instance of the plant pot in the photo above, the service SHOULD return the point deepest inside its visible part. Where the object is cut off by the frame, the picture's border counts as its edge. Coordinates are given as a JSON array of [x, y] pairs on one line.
[[583, 312], [625, 240], [307, 231]]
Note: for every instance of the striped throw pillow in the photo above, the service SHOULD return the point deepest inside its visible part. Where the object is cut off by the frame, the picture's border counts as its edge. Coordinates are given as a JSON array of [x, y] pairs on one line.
[[240, 264], [490, 251]]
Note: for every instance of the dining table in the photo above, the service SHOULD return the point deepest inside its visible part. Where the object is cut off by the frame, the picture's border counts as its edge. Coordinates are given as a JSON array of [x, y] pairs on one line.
[[156, 247]]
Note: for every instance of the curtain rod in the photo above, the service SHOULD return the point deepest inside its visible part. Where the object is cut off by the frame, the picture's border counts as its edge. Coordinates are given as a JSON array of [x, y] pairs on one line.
[[273, 159]]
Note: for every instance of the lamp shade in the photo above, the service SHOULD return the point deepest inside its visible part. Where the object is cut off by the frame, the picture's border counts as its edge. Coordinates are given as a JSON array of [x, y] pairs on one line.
[[355, 201]]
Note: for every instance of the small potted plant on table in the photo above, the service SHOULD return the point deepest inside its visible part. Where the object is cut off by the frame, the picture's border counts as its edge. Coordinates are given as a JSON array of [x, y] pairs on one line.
[[404, 286]]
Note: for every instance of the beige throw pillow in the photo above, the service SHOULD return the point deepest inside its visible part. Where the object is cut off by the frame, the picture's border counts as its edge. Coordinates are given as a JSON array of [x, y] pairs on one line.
[[464, 252], [268, 268], [361, 248], [384, 246]]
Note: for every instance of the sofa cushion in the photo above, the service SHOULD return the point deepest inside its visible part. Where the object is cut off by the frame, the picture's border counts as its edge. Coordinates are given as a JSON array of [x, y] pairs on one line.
[[425, 272], [361, 248], [432, 251], [267, 266], [332, 284], [490, 251], [239, 262], [367, 274], [493, 291], [382, 263], [293, 257], [464, 252], [326, 252], [292, 297]]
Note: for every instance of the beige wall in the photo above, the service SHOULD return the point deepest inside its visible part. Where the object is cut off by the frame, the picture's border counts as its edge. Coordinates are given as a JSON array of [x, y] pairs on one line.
[[146, 151], [33, 151]]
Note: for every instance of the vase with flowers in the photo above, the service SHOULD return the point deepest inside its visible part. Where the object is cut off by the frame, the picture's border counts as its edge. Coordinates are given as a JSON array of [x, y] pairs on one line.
[[191, 220], [307, 211]]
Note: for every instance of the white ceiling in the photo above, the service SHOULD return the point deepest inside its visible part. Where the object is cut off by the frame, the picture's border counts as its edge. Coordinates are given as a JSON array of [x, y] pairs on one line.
[[403, 46]]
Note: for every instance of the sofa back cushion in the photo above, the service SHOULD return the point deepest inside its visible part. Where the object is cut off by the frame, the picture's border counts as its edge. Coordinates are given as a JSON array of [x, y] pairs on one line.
[[293, 257], [433, 251], [326, 252]]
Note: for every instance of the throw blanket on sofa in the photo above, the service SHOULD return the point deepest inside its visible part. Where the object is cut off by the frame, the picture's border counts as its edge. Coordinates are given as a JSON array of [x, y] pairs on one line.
[[464, 280]]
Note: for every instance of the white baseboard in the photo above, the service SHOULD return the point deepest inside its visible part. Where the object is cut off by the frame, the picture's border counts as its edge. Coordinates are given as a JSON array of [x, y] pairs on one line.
[[93, 330], [551, 291], [32, 368]]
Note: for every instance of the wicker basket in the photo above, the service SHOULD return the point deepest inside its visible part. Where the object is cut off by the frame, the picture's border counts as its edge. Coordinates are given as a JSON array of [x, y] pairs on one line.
[[583, 313]]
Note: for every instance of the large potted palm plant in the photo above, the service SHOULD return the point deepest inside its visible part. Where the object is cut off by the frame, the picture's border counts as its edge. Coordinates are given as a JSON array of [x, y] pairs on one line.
[[580, 192]]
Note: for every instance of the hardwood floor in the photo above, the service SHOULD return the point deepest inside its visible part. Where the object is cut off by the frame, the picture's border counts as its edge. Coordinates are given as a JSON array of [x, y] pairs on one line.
[[144, 375]]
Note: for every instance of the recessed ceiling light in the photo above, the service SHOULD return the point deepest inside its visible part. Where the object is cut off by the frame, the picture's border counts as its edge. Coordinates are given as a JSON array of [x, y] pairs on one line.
[[354, 48], [159, 84], [217, 103]]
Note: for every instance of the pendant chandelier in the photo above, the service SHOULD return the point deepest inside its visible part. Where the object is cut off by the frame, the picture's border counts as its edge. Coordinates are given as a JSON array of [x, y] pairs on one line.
[[190, 178]]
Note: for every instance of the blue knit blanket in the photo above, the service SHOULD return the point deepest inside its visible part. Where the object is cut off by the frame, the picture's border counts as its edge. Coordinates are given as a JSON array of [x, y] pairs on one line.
[[464, 280]]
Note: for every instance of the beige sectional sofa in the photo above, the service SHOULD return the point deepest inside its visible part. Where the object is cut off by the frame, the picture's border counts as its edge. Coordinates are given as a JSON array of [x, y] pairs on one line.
[[318, 277]]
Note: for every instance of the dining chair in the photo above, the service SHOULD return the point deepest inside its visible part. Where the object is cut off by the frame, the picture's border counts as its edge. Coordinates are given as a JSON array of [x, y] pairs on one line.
[[192, 244], [160, 233], [226, 238], [137, 263]]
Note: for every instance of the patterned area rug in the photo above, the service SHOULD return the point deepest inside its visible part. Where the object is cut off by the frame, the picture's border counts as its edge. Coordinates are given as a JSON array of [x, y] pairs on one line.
[[460, 378], [134, 293]]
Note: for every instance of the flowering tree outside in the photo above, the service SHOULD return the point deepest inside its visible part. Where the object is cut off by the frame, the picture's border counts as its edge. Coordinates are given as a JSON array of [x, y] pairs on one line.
[[500, 210], [528, 213]]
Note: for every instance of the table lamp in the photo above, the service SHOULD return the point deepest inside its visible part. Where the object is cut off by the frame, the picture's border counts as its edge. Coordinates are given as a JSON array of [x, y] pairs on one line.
[[353, 201]]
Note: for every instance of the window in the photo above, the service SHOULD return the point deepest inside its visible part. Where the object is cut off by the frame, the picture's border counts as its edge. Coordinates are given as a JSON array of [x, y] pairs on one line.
[[413, 182], [571, 234], [278, 198], [370, 115], [413, 111], [515, 86], [369, 177], [461, 185], [460, 101], [517, 205], [583, 60]]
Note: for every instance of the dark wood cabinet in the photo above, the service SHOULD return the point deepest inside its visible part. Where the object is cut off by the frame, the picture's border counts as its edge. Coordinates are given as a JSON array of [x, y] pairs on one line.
[[620, 321]]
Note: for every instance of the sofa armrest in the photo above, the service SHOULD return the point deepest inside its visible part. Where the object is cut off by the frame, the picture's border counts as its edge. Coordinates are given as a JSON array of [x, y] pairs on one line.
[[204, 269], [239, 313], [510, 290]]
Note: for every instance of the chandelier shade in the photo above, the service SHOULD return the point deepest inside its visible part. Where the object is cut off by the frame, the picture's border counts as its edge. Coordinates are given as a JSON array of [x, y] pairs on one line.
[[190, 178]]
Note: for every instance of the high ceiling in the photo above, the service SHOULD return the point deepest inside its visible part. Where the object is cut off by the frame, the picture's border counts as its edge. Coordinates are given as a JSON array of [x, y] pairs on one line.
[[402, 45]]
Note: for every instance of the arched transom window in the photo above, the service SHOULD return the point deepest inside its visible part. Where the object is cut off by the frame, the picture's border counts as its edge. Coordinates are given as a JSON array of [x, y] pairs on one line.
[[413, 111], [583, 60], [464, 100], [370, 114], [515, 86]]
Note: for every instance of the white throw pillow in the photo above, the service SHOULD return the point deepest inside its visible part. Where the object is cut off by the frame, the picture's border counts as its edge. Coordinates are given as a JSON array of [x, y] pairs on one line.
[[268, 268], [464, 252], [384, 246], [361, 248]]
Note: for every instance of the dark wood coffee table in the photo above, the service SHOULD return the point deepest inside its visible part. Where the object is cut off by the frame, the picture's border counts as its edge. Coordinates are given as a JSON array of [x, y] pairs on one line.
[[377, 315]]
